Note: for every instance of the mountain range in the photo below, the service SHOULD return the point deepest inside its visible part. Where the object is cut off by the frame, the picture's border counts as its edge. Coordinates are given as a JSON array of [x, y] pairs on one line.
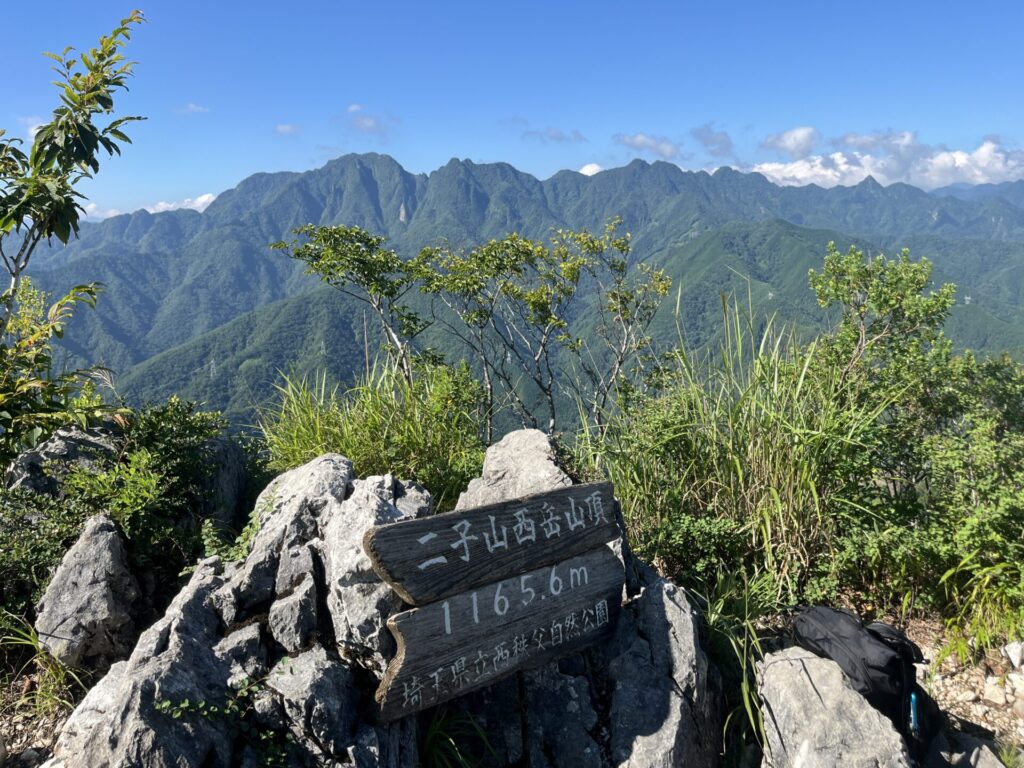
[[198, 304]]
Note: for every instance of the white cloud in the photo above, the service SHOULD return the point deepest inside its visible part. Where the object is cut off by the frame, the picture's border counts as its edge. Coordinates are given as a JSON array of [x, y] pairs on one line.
[[655, 145], [796, 142], [286, 129], [556, 135], [368, 124], [193, 109], [95, 213], [364, 122], [196, 204], [31, 125], [717, 143], [897, 156], [590, 169]]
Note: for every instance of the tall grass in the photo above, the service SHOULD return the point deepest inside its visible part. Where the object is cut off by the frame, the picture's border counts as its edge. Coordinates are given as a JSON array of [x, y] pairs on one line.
[[428, 430], [751, 459]]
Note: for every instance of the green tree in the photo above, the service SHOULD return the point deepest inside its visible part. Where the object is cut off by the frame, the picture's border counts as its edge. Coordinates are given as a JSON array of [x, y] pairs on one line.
[[356, 263], [519, 302], [38, 199], [34, 400], [889, 344]]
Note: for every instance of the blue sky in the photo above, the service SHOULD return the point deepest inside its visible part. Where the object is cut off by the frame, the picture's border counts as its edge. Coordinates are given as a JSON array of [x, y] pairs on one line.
[[929, 93]]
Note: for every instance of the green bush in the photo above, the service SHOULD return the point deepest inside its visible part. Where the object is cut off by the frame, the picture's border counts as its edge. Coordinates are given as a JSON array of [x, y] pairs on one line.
[[427, 431], [747, 461], [153, 487], [871, 465], [35, 532], [34, 399]]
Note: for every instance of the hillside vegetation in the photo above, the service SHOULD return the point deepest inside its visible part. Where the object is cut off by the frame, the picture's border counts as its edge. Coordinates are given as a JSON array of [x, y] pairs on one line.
[[174, 277]]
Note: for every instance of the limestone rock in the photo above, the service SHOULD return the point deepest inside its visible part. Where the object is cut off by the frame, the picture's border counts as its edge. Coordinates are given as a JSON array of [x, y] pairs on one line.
[[412, 499], [244, 653], [68, 446], [85, 616], [118, 724], [293, 618], [965, 752], [665, 707], [291, 511], [358, 601], [521, 463], [994, 695], [1015, 653], [320, 700], [813, 717], [392, 745]]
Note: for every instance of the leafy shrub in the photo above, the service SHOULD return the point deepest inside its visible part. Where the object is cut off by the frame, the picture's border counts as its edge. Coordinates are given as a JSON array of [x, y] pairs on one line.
[[153, 488], [35, 532], [35, 400], [427, 430], [870, 465], [748, 461]]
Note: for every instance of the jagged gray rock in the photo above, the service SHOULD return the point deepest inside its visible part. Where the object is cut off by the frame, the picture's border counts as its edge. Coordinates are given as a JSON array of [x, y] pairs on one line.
[[290, 510], [320, 700], [521, 463], [393, 745], [305, 605], [664, 707], [813, 718], [67, 447], [412, 499], [85, 616], [293, 618], [359, 602], [118, 724], [244, 652]]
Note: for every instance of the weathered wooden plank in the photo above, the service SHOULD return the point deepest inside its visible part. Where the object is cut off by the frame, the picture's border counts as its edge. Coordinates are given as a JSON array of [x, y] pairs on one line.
[[432, 557], [472, 639]]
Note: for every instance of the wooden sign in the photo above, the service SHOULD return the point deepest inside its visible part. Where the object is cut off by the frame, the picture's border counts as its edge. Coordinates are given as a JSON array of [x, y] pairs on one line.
[[431, 558], [472, 639]]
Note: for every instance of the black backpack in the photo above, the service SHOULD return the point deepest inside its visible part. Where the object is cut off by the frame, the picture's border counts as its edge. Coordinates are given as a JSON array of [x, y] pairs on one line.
[[879, 661]]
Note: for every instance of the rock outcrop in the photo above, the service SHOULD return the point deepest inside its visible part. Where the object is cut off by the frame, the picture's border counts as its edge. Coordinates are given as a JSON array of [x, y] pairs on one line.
[[224, 488], [519, 464], [121, 722], [85, 617], [813, 718], [68, 447], [296, 633]]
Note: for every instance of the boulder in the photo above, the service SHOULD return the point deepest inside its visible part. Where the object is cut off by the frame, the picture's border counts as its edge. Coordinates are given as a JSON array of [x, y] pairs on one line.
[[358, 601], [224, 487], [300, 625], [39, 469], [813, 718], [119, 724], [290, 510], [320, 701], [664, 707], [521, 463], [85, 616]]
